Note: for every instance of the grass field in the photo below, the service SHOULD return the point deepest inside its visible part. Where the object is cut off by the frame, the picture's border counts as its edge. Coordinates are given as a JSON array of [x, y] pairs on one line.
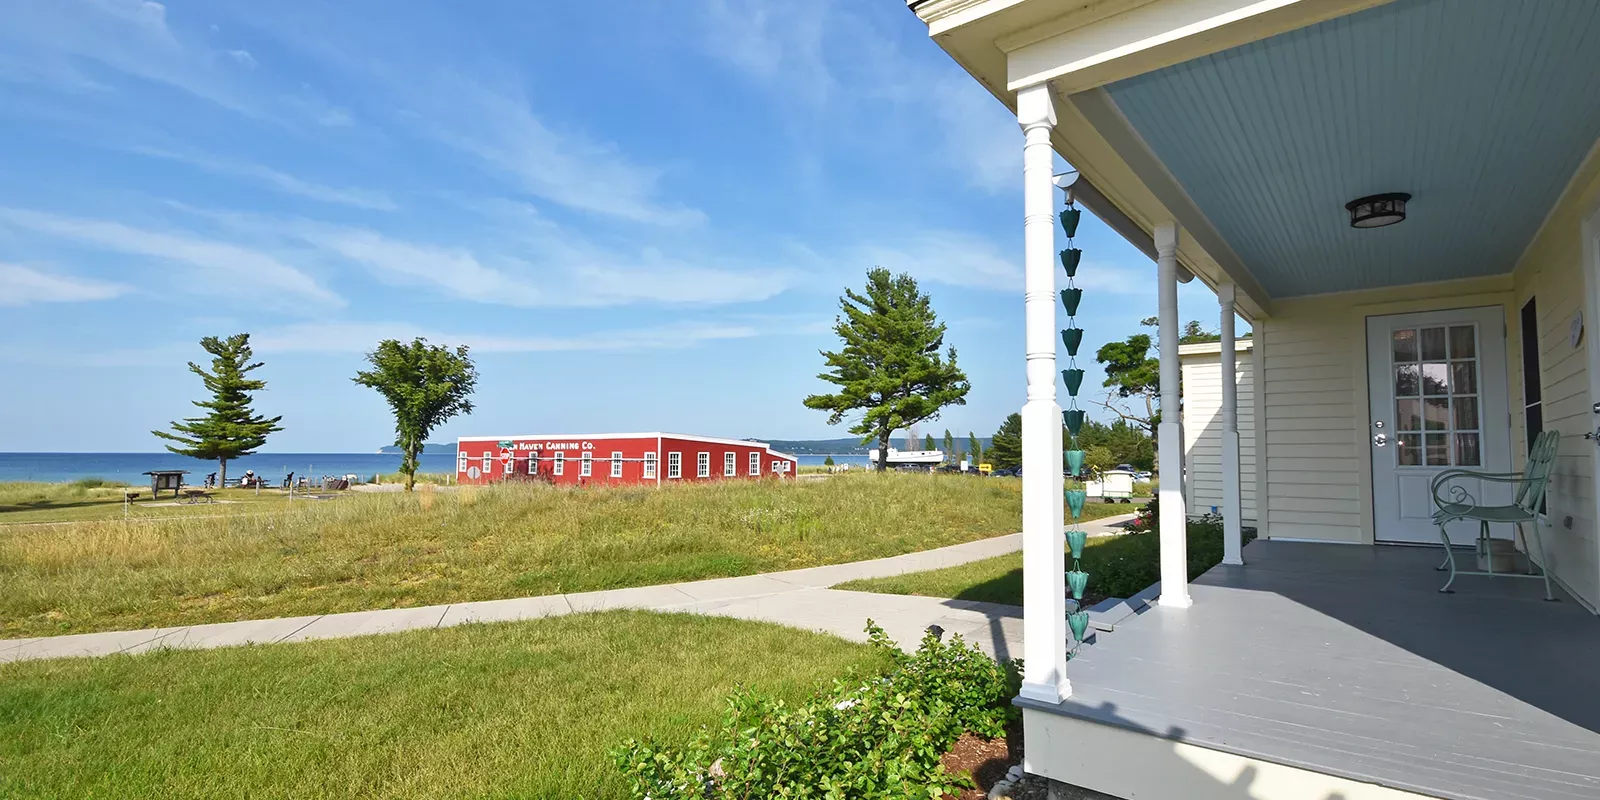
[[392, 550], [524, 709], [23, 503], [1118, 566]]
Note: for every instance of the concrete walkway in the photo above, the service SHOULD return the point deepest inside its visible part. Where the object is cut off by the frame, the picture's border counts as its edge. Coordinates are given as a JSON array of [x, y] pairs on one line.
[[799, 598]]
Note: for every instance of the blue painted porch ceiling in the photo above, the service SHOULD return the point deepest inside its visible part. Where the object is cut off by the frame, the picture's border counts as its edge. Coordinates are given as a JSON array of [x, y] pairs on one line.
[[1481, 109]]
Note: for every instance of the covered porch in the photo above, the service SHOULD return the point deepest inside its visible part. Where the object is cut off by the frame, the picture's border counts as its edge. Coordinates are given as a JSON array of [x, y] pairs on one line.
[[1402, 199], [1318, 671]]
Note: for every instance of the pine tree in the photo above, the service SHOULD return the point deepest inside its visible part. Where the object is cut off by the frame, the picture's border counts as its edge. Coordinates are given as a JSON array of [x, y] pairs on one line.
[[230, 429], [890, 367], [1005, 449], [974, 449], [949, 447], [927, 442]]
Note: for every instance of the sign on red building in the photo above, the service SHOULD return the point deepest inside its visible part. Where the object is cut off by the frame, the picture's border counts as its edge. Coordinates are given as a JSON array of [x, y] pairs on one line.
[[616, 459]]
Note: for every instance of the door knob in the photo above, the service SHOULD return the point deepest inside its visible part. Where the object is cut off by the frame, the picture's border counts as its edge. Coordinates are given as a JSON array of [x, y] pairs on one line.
[[1380, 440]]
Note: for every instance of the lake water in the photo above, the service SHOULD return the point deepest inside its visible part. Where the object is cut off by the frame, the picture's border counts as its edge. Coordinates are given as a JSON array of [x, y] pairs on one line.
[[128, 467]]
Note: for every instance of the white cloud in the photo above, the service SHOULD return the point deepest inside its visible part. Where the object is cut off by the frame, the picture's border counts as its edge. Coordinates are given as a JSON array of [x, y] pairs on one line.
[[281, 181], [20, 286], [221, 266], [577, 275], [243, 58], [948, 257], [572, 168], [358, 337]]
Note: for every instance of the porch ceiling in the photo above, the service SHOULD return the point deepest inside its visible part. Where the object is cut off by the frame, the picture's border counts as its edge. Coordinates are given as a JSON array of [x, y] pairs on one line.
[[1481, 109]]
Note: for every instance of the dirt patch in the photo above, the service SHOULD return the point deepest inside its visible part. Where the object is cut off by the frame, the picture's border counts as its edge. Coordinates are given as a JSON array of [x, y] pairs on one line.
[[986, 760]]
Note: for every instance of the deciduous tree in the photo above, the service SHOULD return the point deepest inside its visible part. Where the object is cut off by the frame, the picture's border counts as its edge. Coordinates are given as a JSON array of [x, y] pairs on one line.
[[891, 368], [424, 385], [230, 428]]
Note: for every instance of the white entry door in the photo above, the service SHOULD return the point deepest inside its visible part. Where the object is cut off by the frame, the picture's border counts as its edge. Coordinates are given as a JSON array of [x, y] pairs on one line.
[[1437, 383]]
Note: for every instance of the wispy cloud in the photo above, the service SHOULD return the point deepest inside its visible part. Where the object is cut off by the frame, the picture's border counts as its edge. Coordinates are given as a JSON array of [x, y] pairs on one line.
[[281, 181], [577, 275], [948, 257], [20, 286], [357, 337], [222, 266], [572, 168]]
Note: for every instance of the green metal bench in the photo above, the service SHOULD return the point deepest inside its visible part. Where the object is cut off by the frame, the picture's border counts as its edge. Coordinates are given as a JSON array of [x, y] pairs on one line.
[[1530, 484]]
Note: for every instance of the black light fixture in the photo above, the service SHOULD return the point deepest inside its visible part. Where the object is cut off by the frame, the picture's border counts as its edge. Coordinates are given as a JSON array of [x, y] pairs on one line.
[[1378, 210]]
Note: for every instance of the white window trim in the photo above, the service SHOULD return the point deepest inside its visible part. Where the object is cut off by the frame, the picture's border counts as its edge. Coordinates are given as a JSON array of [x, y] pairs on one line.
[[650, 464], [702, 464], [755, 463], [586, 464], [558, 463], [674, 465], [488, 461], [730, 464], [777, 466], [533, 462], [616, 463], [461, 461]]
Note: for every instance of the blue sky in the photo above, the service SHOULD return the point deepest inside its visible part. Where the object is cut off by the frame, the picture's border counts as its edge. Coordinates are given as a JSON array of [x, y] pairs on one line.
[[639, 215]]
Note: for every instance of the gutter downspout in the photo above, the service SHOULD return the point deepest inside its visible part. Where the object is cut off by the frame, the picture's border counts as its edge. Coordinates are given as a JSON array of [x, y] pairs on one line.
[[1079, 189]]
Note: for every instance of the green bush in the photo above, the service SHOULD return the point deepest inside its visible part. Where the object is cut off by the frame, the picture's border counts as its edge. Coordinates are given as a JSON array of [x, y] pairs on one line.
[[96, 483], [878, 739]]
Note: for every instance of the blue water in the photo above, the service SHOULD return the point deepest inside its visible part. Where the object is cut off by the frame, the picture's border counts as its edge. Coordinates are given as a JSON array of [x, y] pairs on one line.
[[127, 467]]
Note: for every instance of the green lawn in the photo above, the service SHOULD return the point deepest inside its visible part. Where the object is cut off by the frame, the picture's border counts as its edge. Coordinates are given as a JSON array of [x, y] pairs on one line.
[[526, 709], [23, 503], [1118, 566], [391, 550]]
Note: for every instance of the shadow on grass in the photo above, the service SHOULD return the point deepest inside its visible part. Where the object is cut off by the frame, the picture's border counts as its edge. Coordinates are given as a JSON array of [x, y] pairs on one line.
[[1119, 566]]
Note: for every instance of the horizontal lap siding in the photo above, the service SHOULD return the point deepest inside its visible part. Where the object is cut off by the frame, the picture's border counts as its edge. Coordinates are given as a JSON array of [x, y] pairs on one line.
[[1552, 272], [1313, 466], [1202, 432]]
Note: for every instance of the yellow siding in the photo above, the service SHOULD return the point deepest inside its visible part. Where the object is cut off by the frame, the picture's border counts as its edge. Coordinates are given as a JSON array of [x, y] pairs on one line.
[[1202, 432], [1552, 271], [1317, 461]]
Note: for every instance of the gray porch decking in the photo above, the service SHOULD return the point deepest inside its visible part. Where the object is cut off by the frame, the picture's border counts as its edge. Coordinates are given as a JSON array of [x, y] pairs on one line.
[[1346, 660]]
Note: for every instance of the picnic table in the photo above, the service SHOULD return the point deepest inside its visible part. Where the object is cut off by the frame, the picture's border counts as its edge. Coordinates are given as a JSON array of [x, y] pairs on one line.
[[195, 496]]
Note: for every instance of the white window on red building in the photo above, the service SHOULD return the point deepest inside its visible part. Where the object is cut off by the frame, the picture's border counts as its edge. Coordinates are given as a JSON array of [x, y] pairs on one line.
[[616, 463], [730, 464], [777, 466], [461, 461], [558, 463], [674, 465], [586, 465], [533, 462], [755, 463], [702, 465], [488, 462], [650, 465]]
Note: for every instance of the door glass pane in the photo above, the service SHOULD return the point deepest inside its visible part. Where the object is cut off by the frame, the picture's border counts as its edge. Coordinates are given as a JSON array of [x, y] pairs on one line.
[[1467, 450], [1466, 416], [1435, 379], [1464, 378], [1433, 344], [1438, 449], [1405, 346], [1408, 415], [1436, 413], [1408, 448], [1405, 380], [1462, 342]]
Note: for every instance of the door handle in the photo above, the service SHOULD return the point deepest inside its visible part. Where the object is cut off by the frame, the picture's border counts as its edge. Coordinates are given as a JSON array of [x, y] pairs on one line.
[[1380, 440]]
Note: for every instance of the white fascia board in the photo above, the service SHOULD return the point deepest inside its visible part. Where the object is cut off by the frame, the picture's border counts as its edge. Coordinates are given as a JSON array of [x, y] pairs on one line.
[[1079, 52]]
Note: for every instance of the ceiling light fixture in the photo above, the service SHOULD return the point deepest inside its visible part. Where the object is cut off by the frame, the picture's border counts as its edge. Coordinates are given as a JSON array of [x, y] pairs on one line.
[[1376, 211]]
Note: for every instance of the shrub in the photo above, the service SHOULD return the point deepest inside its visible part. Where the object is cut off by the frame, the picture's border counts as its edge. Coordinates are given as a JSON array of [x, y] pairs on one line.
[[878, 739]]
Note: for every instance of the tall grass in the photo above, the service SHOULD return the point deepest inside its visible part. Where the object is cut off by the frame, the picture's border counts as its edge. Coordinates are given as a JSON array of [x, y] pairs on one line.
[[20, 495], [473, 543]]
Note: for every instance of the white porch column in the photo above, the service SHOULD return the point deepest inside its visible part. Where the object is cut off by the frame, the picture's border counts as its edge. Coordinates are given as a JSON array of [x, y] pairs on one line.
[[1174, 518], [1232, 504], [1044, 585]]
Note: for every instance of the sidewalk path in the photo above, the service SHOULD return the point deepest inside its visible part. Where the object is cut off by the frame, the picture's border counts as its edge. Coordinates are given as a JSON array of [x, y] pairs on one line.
[[798, 598]]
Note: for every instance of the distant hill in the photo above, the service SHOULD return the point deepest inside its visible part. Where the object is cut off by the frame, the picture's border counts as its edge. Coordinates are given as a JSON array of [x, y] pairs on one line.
[[851, 445], [429, 449]]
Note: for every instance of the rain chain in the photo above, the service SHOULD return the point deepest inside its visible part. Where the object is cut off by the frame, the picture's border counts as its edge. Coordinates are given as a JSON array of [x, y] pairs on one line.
[[1072, 337]]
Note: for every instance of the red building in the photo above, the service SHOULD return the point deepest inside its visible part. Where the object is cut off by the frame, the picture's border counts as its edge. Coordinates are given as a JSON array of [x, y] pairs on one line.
[[616, 458]]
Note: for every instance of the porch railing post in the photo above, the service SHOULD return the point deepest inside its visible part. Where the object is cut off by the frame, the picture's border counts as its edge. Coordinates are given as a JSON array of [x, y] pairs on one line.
[[1174, 519], [1044, 589], [1232, 502]]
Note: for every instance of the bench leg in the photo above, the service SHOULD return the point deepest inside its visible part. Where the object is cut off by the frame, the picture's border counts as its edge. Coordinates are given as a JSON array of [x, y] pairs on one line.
[[1544, 563], [1485, 551], [1449, 559]]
